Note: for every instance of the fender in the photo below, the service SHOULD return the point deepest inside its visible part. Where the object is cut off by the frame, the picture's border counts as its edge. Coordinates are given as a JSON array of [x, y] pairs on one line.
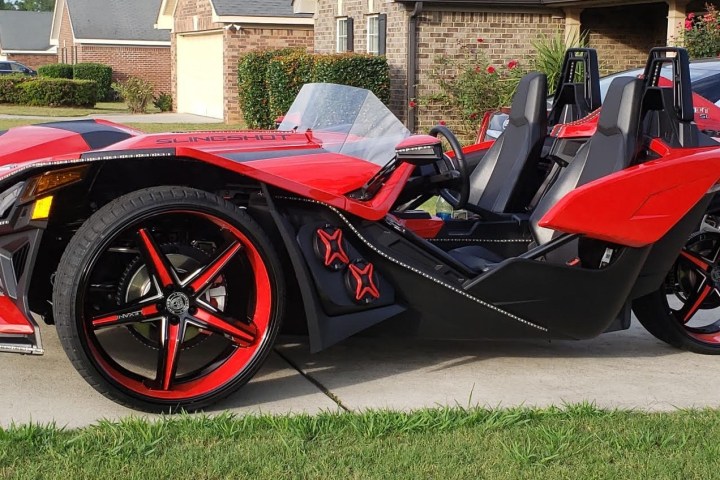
[[638, 206]]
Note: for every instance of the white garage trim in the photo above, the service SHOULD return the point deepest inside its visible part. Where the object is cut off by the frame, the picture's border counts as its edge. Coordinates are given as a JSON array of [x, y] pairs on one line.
[[200, 75]]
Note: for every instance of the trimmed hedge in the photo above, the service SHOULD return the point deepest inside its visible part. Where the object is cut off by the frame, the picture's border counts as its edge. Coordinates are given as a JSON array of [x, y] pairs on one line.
[[357, 70], [252, 80], [100, 74], [285, 77], [58, 92], [10, 91], [56, 70], [269, 80]]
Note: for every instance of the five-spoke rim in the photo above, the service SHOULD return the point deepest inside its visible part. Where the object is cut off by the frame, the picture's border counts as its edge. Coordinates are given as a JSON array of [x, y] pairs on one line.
[[176, 304]]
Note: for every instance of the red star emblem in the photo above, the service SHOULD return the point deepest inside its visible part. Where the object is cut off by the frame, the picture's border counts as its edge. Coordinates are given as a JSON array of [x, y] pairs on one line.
[[333, 247], [365, 284]]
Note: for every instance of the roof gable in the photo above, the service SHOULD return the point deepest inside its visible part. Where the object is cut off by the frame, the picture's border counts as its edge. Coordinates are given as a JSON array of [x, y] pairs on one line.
[[119, 20], [25, 31]]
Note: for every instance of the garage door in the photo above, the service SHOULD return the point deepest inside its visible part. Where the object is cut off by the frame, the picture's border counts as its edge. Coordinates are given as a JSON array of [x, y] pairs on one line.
[[200, 74]]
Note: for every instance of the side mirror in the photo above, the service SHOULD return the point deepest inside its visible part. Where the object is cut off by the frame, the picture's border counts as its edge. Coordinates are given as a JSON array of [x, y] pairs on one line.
[[419, 150]]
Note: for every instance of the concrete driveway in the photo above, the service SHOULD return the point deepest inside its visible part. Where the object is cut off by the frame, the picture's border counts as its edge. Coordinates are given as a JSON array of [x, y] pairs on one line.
[[168, 117], [626, 369]]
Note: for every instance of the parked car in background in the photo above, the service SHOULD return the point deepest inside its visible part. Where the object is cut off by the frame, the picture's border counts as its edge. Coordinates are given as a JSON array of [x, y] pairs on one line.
[[8, 68], [705, 78]]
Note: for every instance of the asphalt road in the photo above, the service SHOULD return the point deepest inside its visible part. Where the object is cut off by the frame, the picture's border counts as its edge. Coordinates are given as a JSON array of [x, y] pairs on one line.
[[625, 369]]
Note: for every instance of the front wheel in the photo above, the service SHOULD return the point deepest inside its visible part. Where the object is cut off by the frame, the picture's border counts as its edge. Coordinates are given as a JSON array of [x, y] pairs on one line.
[[168, 298], [685, 311]]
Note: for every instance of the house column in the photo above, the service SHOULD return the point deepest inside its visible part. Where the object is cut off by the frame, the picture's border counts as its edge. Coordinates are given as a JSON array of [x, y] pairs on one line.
[[572, 25], [676, 21]]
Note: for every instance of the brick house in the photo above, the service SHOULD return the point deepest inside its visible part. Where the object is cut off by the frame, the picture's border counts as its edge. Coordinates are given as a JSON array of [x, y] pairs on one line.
[[413, 33], [25, 38], [118, 33], [208, 37]]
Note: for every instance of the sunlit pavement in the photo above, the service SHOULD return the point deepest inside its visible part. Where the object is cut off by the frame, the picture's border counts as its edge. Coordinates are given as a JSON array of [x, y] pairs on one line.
[[626, 369]]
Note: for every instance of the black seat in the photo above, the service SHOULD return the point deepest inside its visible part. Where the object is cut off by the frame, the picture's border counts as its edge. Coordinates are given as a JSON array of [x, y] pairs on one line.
[[613, 147], [667, 111], [507, 176], [574, 100]]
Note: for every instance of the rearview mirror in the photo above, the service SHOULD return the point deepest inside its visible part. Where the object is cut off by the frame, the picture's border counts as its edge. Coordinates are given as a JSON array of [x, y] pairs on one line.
[[419, 150]]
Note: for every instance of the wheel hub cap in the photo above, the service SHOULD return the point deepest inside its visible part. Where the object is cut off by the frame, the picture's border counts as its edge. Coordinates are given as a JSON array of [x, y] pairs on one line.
[[715, 275], [178, 303]]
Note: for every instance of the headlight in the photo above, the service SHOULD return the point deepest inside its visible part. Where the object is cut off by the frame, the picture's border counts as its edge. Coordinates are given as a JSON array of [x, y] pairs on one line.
[[51, 181]]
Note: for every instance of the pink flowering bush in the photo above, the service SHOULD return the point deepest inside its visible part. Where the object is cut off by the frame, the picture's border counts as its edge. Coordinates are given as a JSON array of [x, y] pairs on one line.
[[471, 86], [702, 33]]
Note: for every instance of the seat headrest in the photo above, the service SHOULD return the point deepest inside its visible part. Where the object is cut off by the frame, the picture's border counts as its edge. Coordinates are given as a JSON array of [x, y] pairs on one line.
[[621, 110], [530, 102]]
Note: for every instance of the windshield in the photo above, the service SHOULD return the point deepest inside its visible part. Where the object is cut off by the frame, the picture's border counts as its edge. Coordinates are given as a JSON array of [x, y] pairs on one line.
[[348, 120]]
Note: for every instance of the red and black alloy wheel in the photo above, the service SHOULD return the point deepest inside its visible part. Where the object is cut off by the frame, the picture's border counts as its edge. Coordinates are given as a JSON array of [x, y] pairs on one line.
[[168, 298], [685, 311]]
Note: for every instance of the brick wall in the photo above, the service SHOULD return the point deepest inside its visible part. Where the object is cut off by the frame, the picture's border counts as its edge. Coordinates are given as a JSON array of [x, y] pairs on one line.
[[33, 61], [622, 41], [396, 44], [247, 39], [454, 35], [66, 40], [149, 63]]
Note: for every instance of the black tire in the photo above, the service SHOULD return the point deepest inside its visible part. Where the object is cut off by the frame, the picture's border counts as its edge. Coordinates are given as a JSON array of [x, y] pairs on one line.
[[243, 332], [692, 285]]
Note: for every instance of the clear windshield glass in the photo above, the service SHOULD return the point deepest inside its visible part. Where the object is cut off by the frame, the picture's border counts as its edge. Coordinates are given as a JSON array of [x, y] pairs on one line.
[[348, 120]]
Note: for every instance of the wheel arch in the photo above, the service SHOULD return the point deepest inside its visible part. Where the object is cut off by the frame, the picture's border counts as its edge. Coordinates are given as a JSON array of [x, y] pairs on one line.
[[110, 179]]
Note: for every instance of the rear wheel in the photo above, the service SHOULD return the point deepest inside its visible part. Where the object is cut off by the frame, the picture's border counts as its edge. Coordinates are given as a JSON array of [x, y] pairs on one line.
[[168, 298], [685, 311]]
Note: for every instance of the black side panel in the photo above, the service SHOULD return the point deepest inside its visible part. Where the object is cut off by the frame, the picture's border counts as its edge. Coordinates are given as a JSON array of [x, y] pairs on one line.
[[665, 252], [96, 135], [570, 301], [324, 330]]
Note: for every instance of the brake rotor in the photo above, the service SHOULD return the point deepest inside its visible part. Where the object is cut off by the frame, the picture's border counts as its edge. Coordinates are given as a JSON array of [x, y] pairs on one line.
[[136, 283]]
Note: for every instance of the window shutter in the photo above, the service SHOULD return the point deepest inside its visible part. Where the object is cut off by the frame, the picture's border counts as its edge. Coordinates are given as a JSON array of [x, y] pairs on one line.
[[350, 35], [382, 33]]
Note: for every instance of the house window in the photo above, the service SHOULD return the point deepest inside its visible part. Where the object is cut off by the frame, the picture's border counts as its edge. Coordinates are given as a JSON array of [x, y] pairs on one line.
[[373, 34], [372, 6], [342, 34], [341, 8]]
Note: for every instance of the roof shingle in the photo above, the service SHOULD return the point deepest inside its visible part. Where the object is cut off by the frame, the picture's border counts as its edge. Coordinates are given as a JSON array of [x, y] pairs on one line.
[[254, 8], [20, 30], [116, 20]]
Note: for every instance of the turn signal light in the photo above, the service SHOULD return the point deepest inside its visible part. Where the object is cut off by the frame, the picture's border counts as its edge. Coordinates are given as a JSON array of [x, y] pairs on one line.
[[42, 207], [51, 181]]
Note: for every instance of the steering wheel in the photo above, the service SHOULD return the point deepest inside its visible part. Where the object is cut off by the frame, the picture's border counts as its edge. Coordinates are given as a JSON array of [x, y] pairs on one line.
[[457, 198]]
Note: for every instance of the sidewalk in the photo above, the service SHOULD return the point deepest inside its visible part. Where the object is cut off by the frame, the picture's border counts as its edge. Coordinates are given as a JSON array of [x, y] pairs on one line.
[[628, 369]]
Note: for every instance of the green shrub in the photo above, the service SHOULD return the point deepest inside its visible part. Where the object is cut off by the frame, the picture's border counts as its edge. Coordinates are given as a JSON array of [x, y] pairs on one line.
[[100, 74], [269, 80], [56, 70], [163, 102], [252, 82], [59, 92], [10, 91], [469, 86], [357, 70], [136, 92], [551, 54], [285, 77]]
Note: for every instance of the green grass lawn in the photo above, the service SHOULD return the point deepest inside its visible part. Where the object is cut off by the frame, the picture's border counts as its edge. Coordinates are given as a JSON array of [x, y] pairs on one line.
[[145, 127], [577, 442]]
